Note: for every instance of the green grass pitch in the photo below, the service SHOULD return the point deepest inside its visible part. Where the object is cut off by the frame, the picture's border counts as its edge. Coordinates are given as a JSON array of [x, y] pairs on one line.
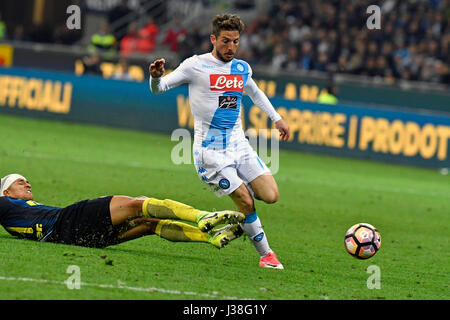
[[320, 198]]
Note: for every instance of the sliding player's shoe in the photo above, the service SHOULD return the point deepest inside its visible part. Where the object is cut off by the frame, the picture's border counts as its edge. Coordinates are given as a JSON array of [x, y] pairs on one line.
[[270, 261], [221, 237], [213, 219]]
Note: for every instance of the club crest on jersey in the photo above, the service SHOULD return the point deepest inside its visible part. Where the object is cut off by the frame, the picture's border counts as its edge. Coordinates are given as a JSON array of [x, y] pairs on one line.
[[226, 82], [224, 183]]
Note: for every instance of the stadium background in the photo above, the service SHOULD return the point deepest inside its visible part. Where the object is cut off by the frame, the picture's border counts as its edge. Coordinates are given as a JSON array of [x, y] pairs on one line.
[[344, 89]]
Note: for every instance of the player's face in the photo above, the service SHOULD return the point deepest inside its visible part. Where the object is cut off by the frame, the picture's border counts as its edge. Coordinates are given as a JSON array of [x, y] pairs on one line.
[[20, 189], [225, 45]]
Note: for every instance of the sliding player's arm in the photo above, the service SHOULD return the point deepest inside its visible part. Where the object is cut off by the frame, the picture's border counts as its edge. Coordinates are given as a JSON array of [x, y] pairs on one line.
[[261, 100], [159, 84]]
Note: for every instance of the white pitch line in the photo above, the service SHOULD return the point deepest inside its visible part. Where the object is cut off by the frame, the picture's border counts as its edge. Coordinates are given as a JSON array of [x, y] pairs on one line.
[[120, 285]]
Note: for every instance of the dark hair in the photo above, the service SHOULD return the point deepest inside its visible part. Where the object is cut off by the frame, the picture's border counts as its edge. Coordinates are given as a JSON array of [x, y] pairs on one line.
[[229, 22]]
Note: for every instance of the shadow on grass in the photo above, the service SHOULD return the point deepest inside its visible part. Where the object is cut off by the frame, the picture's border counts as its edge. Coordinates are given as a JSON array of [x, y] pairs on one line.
[[117, 249]]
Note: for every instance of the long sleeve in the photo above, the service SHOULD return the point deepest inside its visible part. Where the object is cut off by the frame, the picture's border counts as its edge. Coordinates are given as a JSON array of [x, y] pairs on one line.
[[261, 100], [175, 78]]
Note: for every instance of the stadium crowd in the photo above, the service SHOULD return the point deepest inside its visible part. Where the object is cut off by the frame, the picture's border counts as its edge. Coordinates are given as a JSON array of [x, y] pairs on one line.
[[330, 36], [413, 42]]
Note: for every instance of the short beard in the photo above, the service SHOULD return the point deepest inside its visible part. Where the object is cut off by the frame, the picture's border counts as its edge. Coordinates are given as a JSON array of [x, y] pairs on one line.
[[221, 57]]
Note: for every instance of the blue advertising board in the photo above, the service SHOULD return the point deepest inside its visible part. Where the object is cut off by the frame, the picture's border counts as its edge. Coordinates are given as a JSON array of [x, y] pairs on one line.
[[403, 136]]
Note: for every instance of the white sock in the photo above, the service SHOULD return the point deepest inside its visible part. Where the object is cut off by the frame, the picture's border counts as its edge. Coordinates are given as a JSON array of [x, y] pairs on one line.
[[252, 226]]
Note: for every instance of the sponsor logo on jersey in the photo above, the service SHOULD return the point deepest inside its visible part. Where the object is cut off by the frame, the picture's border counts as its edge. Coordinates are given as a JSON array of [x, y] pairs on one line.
[[226, 82], [228, 102], [207, 67]]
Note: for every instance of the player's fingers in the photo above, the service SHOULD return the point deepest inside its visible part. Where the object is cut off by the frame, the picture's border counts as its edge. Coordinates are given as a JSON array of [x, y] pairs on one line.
[[152, 66], [284, 134], [160, 63], [287, 134]]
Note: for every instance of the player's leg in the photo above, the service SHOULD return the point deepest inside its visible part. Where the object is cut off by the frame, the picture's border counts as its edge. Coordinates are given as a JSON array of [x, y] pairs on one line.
[[170, 209], [253, 227], [228, 182], [252, 224], [265, 188], [259, 183], [137, 228], [243, 200], [178, 232], [123, 208]]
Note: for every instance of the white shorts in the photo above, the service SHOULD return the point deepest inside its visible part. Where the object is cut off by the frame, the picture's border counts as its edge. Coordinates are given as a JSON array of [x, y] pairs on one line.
[[224, 170]]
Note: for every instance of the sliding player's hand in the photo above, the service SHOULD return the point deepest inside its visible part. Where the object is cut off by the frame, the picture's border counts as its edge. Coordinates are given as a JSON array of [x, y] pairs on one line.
[[157, 68], [282, 126]]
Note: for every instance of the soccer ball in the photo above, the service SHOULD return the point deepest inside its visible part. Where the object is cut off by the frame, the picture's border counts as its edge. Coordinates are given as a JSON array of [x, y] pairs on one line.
[[362, 240]]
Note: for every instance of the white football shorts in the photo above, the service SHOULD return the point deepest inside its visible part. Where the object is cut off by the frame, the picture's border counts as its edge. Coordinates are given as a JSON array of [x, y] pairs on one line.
[[224, 170]]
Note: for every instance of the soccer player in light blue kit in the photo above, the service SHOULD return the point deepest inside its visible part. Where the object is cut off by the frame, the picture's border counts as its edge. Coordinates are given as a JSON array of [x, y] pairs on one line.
[[224, 159]]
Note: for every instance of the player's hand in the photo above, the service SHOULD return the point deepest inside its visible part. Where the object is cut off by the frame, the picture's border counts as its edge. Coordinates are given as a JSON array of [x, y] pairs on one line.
[[156, 69], [282, 126]]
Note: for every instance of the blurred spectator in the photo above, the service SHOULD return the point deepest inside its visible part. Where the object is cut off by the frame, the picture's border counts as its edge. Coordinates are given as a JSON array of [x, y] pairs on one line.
[[142, 40], [103, 42], [328, 95], [121, 73], [19, 33], [91, 64], [2, 29], [322, 62], [279, 58], [174, 35], [443, 71], [342, 64], [148, 35], [292, 62], [63, 35], [306, 60], [129, 43], [120, 27], [189, 42]]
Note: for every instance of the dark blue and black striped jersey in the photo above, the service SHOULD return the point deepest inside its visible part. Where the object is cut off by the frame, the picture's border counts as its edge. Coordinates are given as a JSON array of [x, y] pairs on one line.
[[27, 219]]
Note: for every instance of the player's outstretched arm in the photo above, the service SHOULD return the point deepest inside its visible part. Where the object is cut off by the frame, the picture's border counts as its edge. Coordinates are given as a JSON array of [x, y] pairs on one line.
[[159, 84]]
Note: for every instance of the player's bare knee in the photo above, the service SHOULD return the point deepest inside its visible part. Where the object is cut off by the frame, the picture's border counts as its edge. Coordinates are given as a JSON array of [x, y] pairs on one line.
[[135, 204], [271, 197]]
